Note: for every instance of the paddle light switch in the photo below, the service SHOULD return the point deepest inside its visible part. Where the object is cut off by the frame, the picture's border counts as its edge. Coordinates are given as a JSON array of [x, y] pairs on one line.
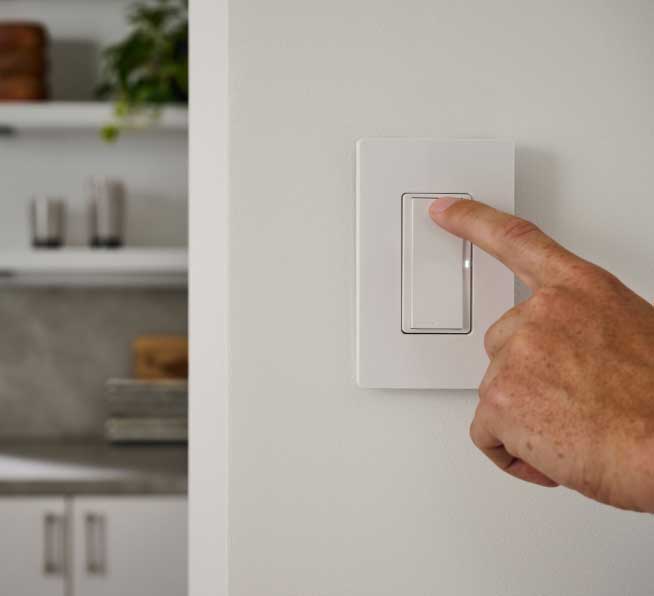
[[425, 298], [436, 271]]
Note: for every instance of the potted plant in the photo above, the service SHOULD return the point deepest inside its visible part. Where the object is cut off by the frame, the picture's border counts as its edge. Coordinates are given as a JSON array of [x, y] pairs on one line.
[[148, 69]]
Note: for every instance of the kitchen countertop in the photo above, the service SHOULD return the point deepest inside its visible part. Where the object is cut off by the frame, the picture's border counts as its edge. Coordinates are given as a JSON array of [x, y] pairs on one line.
[[91, 468]]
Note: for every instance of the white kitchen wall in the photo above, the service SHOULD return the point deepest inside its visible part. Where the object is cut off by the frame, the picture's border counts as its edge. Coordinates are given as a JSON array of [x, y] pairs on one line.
[[338, 491]]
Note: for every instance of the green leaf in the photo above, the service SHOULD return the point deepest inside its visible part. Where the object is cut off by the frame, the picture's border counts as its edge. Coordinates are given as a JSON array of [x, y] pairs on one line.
[[110, 133], [149, 67]]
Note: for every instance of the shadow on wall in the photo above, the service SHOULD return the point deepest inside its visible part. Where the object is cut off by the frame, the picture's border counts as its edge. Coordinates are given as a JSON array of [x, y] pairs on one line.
[[536, 184], [74, 72], [539, 198]]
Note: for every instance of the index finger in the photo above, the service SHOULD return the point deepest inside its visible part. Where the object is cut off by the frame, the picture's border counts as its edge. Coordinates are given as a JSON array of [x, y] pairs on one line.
[[531, 254]]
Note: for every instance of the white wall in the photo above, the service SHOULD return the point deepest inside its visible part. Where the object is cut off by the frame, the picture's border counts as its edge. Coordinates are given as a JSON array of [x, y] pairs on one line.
[[338, 491], [208, 294]]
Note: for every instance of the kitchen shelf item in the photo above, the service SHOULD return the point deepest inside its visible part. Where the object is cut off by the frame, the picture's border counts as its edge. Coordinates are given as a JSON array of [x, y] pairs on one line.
[[22, 35], [146, 411], [136, 398], [29, 62], [147, 430], [47, 221], [106, 212], [23, 62], [21, 88], [160, 357]]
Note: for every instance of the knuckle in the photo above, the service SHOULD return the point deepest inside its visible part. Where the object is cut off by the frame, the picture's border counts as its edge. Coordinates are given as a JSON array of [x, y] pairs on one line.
[[525, 342], [516, 229], [476, 430], [483, 386], [497, 334], [490, 338], [585, 275], [607, 281], [493, 394], [473, 432], [544, 300]]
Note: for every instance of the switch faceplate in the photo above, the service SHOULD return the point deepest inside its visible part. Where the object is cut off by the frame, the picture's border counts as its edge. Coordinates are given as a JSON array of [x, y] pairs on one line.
[[436, 271], [424, 297]]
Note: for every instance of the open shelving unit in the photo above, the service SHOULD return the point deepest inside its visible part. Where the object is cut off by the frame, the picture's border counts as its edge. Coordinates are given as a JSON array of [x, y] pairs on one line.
[[52, 148], [43, 116], [154, 267]]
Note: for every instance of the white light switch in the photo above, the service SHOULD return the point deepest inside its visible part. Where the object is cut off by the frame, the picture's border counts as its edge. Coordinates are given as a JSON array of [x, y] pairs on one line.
[[425, 298], [436, 271]]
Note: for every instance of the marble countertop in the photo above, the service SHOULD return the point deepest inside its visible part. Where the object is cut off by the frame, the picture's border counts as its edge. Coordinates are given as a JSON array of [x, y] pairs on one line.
[[91, 468]]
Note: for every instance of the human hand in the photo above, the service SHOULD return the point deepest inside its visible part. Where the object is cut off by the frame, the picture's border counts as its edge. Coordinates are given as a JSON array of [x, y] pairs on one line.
[[568, 397]]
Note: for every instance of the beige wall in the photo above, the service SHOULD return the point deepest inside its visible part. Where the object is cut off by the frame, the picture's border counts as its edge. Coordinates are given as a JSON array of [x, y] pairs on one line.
[[338, 491]]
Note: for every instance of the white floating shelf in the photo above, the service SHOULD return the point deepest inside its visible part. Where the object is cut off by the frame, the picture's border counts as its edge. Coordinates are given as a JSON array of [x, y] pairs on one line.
[[90, 267], [78, 116]]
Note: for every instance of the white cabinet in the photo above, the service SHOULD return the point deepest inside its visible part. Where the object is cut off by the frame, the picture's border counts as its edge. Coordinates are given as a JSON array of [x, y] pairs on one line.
[[95, 546], [130, 546], [33, 546]]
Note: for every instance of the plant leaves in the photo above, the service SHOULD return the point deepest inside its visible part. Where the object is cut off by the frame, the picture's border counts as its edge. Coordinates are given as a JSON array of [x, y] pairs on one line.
[[149, 67]]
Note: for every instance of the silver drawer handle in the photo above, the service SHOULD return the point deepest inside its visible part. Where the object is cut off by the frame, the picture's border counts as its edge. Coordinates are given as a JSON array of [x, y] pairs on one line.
[[54, 544], [96, 537]]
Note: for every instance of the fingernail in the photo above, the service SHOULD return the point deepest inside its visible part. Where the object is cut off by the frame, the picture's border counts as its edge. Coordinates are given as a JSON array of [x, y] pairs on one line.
[[440, 205]]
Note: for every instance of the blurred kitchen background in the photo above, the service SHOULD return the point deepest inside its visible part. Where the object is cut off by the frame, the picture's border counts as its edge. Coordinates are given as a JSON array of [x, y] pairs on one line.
[[93, 297]]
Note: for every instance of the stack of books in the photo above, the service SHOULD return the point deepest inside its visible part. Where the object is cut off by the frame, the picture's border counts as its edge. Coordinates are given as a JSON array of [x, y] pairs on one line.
[[146, 411]]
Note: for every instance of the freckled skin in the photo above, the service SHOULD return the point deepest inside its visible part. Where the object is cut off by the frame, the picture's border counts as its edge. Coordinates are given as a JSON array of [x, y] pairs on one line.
[[568, 397]]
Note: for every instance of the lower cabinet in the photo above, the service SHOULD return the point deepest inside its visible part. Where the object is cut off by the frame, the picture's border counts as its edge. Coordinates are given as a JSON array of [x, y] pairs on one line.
[[93, 546], [33, 547], [129, 547]]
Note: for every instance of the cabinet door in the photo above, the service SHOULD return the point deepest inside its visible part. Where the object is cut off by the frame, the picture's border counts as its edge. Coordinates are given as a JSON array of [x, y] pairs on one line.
[[33, 546], [130, 546]]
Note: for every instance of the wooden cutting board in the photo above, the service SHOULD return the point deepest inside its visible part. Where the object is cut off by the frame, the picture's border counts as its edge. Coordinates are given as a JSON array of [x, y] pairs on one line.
[[160, 357]]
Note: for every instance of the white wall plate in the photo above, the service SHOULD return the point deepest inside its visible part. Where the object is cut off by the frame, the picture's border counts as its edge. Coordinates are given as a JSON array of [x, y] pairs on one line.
[[425, 298]]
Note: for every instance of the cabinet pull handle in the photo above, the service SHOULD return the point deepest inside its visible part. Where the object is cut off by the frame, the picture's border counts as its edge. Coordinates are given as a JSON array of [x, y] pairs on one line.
[[54, 544], [96, 534]]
